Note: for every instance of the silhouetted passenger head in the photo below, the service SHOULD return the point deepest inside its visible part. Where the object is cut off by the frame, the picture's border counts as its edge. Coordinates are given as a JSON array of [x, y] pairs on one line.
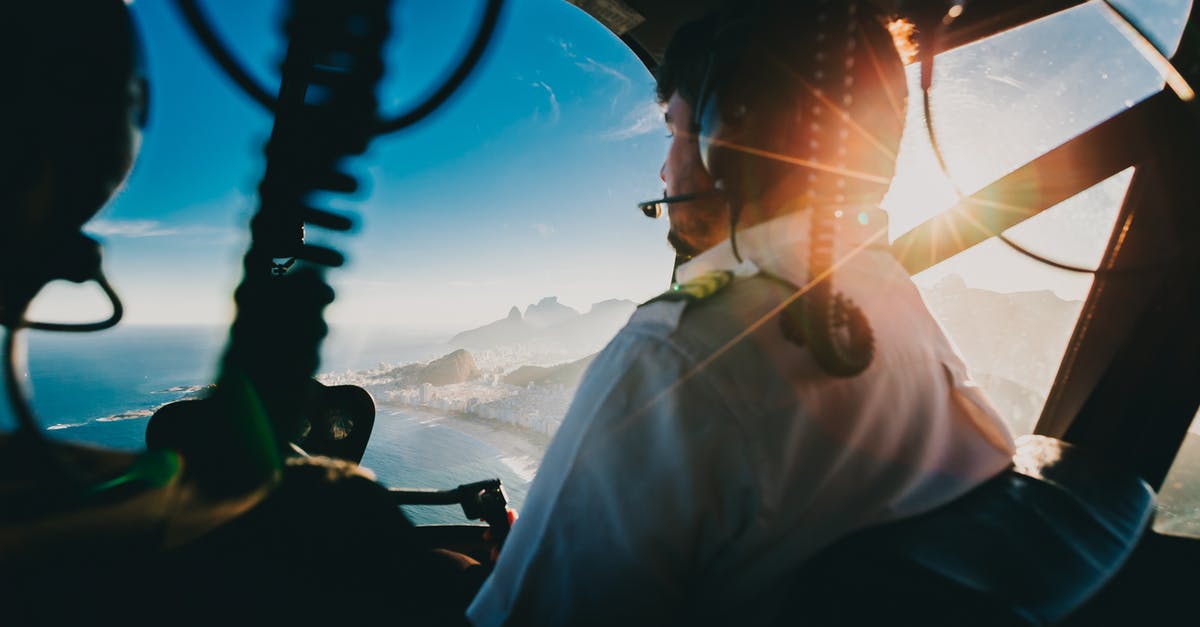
[[74, 100], [73, 103]]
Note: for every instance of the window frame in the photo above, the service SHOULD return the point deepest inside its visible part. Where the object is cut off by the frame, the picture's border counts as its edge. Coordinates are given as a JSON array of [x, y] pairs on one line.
[[1123, 386]]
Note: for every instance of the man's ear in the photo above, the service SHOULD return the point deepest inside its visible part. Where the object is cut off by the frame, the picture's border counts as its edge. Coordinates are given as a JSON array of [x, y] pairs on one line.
[[744, 150], [722, 125]]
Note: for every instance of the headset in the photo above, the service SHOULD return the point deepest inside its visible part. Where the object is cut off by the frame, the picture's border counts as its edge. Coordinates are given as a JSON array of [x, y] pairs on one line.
[[705, 121], [743, 120], [653, 208]]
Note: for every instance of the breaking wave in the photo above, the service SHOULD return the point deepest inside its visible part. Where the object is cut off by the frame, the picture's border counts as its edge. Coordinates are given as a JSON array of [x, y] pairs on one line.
[[127, 415], [178, 392], [522, 466], [184, 389], [65, 425]]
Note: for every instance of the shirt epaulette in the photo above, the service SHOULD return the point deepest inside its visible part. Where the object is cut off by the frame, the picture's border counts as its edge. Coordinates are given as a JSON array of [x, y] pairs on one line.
[[697, 289]]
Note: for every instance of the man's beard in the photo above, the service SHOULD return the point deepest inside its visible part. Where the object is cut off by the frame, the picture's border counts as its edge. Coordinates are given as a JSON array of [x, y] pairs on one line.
[[682, 248]]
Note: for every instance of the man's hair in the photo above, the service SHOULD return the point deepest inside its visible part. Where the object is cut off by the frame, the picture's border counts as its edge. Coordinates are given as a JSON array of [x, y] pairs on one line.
[[792, 63], [690, 49], [686, 60]]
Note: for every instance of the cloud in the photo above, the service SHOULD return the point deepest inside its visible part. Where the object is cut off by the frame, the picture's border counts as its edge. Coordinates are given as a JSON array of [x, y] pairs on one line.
[[475, 284], [376, 283], [545, 230], [642, 120], [1007, 80], [555, 110], [589, 64], [130, 228], [135, 229]]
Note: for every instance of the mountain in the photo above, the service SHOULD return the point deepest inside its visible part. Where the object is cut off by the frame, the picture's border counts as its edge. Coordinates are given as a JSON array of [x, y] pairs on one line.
[[1019, 336], [548, 312], [567, 375], [589, 332], [1179, 498], [552, 323], [455, 367], [1012, 342], [509, 329], [1017, 403]]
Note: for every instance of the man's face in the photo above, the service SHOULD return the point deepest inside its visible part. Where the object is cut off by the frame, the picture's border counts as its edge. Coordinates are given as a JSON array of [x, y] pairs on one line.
[[700, 224]]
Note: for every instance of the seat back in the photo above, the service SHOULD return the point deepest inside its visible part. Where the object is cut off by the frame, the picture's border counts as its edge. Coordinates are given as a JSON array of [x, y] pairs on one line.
[[1026, 548]]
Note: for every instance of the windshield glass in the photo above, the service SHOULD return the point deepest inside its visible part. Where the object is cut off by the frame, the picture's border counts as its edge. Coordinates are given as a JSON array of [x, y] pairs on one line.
[[1179, 498], [996, 105], [499, 246]]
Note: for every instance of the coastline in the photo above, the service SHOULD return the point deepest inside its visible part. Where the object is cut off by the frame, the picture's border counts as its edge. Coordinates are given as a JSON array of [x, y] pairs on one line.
[[511, 440]]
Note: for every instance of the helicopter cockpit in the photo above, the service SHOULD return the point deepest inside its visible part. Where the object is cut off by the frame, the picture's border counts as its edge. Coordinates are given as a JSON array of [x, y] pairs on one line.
[[472, 206]]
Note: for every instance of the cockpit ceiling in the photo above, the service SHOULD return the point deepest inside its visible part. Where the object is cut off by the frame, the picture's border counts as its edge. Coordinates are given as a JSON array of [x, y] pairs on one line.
[[646, 25]]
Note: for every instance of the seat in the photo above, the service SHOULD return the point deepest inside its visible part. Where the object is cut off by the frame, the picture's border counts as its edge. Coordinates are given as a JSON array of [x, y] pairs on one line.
[[326, 544], [337, 424], [1026, 548]]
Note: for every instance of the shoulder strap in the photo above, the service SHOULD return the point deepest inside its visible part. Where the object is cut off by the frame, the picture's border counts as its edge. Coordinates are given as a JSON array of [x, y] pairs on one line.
[[697, 289]]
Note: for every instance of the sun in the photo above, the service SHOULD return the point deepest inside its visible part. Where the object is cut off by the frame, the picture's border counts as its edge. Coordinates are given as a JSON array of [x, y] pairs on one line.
[[920, 189]]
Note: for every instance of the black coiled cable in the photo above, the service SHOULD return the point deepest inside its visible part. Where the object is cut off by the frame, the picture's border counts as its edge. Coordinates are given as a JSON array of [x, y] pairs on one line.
[[326, 112], [212, 43]]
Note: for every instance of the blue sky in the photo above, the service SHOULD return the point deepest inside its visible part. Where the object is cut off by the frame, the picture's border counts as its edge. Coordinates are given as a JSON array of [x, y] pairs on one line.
[[524, 185]]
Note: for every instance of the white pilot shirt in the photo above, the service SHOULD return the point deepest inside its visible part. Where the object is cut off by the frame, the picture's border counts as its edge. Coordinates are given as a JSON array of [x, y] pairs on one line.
[[693, 473]]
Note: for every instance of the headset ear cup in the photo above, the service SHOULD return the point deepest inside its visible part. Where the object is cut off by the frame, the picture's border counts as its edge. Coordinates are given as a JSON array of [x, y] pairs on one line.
[[708, 123], [721, 130]]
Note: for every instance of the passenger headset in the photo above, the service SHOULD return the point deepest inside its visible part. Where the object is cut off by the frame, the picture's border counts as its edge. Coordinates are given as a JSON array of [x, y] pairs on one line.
[[741, 113]]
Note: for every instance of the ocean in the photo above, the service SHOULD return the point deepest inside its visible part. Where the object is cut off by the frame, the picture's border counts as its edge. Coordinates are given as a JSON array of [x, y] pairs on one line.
[[101, 388]]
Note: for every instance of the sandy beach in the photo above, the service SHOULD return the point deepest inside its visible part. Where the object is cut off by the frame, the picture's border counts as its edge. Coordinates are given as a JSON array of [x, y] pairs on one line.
[[510, 440]]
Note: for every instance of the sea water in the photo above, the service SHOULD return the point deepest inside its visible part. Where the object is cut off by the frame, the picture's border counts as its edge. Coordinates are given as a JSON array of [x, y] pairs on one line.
[[101, 388]]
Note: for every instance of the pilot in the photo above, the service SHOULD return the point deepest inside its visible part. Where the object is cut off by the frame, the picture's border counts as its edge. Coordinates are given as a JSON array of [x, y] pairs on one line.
[[709, 450]]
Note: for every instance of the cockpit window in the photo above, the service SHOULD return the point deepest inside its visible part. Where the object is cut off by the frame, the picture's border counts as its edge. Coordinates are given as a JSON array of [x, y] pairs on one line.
[[1003, 101], [1179, 498], [500, 246], [503, 249], [520, 194], [996, 105], [1010, 316]]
